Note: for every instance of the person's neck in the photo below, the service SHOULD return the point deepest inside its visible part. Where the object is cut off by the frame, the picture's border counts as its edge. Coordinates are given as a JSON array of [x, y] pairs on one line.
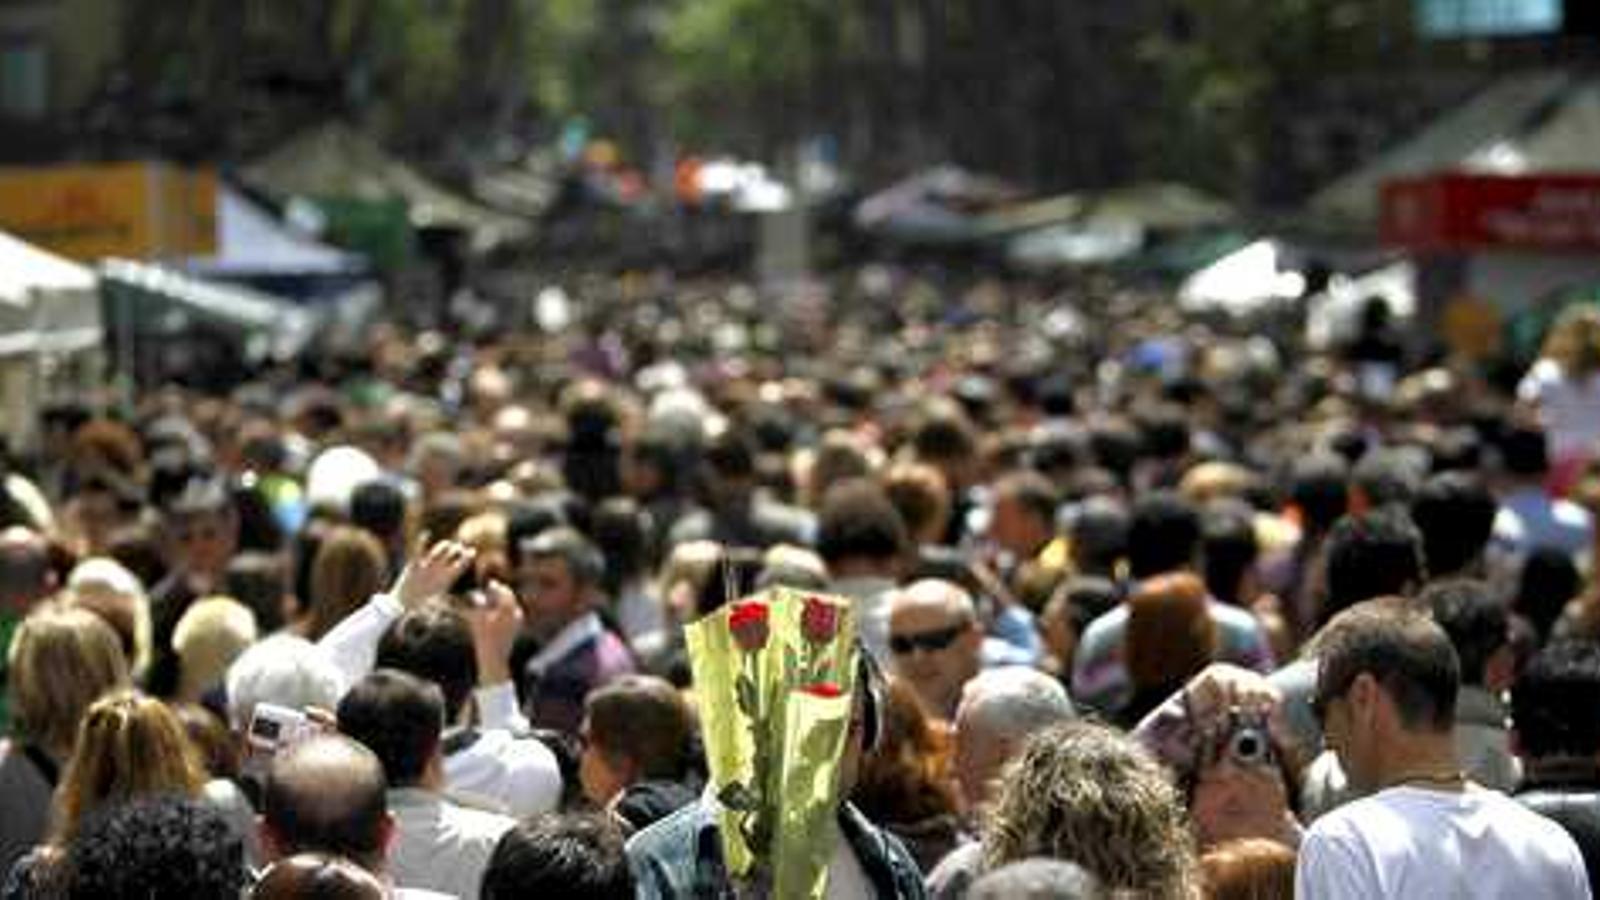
[[861, 568], [432, 779], [1424, 760], [553, 630]]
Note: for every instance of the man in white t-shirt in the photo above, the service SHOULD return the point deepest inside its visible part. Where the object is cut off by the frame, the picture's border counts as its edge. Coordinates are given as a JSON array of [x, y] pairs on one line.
[[1386, 694]]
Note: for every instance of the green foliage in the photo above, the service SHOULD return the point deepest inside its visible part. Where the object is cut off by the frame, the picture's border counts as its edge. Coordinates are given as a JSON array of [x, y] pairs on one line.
[[563, 35], [1239, 66]]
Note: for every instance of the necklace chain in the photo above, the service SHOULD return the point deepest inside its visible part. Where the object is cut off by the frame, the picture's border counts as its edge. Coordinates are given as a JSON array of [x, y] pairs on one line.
[[1457, 779]]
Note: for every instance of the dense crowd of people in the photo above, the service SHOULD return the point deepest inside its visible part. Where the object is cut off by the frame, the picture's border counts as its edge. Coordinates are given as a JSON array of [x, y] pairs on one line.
[[1150, 605]]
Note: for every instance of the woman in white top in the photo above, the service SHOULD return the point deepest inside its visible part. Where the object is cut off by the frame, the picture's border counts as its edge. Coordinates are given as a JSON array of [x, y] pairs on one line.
[[1563, 389]]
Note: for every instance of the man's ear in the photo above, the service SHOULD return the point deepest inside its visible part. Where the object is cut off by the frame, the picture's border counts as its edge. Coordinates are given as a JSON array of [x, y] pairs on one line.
[[1364, 694]]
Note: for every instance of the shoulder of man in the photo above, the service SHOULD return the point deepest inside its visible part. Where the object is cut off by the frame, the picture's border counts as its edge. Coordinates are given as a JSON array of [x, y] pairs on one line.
[[679, 856]]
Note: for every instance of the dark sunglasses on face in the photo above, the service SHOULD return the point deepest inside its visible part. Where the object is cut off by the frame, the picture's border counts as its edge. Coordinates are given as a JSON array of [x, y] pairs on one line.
[[930, 641]]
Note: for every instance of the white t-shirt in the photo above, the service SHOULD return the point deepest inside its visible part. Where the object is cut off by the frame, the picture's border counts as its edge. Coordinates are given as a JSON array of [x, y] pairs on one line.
[[520, 774], [1408, 842], [1569, 409]]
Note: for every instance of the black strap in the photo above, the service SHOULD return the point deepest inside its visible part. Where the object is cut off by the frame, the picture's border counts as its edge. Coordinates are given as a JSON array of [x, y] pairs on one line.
[[42, 761]]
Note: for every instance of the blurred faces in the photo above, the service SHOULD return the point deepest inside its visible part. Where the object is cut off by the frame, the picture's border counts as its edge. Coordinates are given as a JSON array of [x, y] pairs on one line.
[[1014, 528], [1233, 801], [1060, 634], [604, 775], [551, 597], [204, 544], [979, 756]]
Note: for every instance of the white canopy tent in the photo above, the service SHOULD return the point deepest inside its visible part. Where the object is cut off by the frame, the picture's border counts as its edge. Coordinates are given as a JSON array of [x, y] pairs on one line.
[[1247, 280], [50, 332], [251, 241], [46, 302]]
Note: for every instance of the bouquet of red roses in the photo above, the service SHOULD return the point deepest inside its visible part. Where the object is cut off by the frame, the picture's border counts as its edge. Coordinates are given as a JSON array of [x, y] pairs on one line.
[[774, 679]]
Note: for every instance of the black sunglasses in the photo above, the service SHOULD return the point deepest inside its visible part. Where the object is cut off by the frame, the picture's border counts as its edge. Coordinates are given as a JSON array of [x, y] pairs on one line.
[[930, 641]]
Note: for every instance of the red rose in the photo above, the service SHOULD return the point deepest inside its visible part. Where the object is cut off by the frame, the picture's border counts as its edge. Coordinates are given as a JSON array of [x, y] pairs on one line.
[[819, 621], [748, 622], [824, 689]]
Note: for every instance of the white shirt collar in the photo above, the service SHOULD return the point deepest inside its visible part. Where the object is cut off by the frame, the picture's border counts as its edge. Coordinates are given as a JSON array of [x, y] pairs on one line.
[[584, 628]]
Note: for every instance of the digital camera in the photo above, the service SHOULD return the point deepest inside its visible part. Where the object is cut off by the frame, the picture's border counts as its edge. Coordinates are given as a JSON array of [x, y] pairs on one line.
[[1243, 738], [274, 727]]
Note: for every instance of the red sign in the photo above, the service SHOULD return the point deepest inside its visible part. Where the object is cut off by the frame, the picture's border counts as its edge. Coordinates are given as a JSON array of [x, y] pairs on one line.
[[1455, 212]]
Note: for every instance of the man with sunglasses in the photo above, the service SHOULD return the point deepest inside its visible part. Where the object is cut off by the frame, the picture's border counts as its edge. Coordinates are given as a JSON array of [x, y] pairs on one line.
[[1386, 695], [935, 642]]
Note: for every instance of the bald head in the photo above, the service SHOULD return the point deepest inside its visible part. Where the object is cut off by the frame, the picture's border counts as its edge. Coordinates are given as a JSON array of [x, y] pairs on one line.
[[936, 641], [25, 576], [936, 594], [326, 795]]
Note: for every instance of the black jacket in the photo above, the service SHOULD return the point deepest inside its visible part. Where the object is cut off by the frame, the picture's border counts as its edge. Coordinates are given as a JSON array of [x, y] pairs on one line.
[[1571, 798]]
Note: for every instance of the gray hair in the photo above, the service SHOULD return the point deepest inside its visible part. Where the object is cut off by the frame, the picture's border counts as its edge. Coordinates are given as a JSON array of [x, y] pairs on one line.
[[1038, 879], [1013, 702], [284, 670]]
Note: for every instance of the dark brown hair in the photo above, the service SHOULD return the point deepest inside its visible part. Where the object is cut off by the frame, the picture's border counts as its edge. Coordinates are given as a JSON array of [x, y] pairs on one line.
[[1170, 633], [902, 780], [643, 719]]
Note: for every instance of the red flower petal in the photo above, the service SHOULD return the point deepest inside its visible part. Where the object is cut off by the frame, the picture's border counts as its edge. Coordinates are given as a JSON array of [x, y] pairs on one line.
[[748, 622], [819, 620]]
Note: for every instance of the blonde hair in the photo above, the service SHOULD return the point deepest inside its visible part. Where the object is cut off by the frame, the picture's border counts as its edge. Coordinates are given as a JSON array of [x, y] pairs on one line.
[[1088, 794], [61, 659], [1249, 869], [1214, 480], [350, 566], [484, 532], [128, 746], [209, 637], [1573, 341]]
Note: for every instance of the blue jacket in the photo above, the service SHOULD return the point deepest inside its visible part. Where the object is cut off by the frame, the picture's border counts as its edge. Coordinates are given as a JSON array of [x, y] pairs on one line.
[[680, 858]]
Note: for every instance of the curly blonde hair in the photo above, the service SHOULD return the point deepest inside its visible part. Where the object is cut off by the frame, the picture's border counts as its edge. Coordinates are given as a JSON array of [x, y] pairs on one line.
[[1086, 793]]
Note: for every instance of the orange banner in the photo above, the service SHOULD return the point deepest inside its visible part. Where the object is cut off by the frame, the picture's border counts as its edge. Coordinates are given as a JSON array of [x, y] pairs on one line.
[[137, 210]]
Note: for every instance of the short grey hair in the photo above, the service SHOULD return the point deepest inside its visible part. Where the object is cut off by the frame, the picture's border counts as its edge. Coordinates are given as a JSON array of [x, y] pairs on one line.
[[1038, 879], [284, 670], [1013, 702]]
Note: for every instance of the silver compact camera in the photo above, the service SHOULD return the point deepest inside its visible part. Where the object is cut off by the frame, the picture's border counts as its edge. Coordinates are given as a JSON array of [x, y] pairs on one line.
[[1242, 737], [1249, 743], [273, 727]]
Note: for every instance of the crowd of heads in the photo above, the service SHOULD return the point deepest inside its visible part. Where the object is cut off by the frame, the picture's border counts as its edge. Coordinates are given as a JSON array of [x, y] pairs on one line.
[[462, 566]]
